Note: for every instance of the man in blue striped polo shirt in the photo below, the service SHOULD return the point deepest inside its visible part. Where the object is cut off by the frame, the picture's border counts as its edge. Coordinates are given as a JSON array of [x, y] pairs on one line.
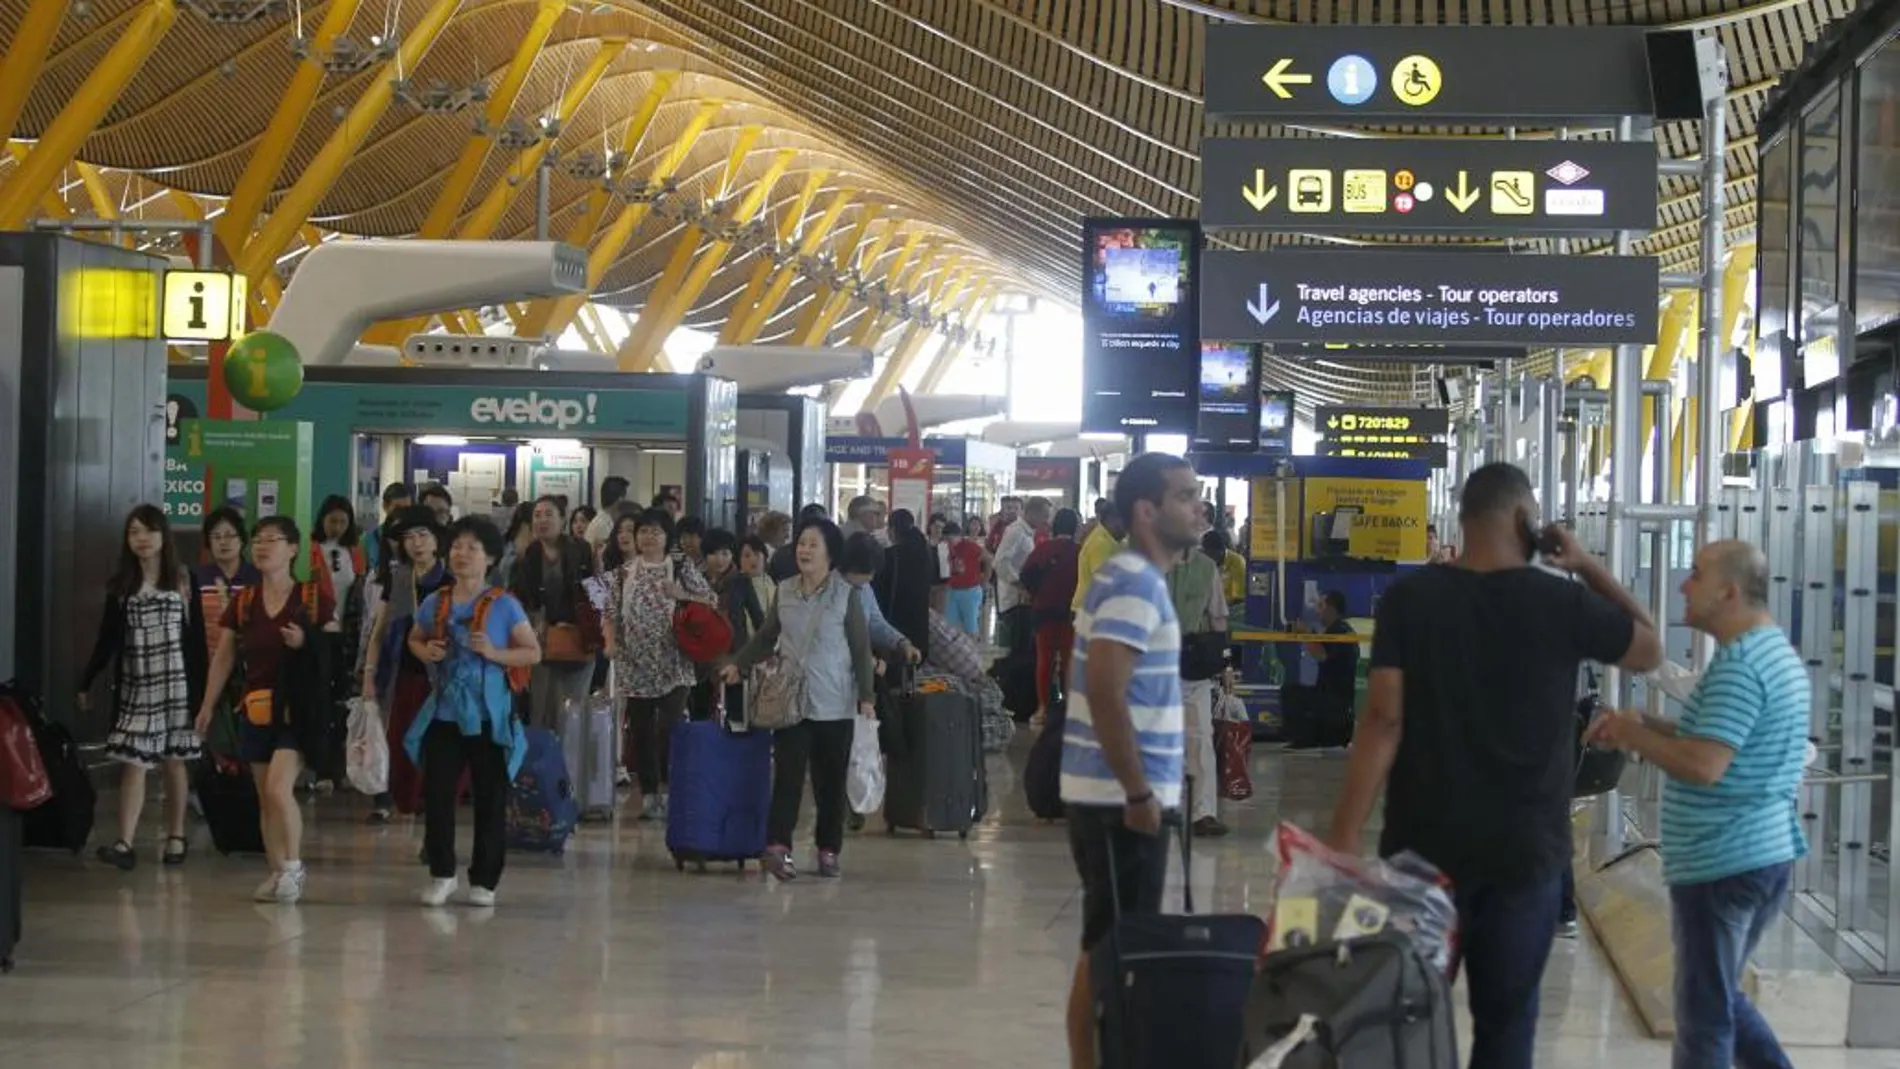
[[1730, 830], [1122, 741]]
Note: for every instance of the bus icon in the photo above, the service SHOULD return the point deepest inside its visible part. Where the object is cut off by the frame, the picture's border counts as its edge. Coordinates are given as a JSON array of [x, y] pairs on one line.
[[1312, 191]]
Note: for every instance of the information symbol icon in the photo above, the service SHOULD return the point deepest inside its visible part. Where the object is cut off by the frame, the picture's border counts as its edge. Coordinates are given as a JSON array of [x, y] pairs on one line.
[[1352, 80]]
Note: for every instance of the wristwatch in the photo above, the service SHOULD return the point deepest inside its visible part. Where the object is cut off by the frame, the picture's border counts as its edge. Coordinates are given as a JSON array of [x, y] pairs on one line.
[[1143, 798]]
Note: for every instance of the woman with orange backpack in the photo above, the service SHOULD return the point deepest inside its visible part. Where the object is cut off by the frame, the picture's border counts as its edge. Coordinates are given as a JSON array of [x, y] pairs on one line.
[[480, 647]]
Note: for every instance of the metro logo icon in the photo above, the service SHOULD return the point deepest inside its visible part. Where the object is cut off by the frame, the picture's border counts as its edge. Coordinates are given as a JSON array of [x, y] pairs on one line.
[[534, 411]]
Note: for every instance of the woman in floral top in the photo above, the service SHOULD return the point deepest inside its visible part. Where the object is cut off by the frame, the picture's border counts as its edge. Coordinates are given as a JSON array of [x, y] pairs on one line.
[[649, 672]]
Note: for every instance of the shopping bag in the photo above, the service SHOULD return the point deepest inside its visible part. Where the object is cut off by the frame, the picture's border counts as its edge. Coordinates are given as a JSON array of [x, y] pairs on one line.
[[366, 756], [864, 785]]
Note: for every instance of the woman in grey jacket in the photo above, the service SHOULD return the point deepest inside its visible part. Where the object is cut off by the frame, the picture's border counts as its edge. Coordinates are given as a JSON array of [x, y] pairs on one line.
[[818, 622]]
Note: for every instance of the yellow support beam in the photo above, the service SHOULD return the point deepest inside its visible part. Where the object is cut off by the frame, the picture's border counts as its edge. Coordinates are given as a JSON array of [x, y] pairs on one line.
[[1741, 429], [788, 223], [26, 56], [95, 96], [817, 328], [782, 282], [52, 205], [912, 341], [900, 278], [848, 252], [96, 190], [593, 341], [520, 175], [599, 199], [939, 367], [293, 211], [590, 314], [1675, 337], [266, 165], [601, 258], [657, 321]]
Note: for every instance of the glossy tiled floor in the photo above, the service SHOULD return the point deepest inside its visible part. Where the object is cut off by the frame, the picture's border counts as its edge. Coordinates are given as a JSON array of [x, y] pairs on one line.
[[927, 954]]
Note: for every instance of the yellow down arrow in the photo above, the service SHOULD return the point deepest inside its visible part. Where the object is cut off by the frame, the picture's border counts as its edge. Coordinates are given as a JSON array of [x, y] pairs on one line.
[[1464, 196], [1278, 78], [1260, 194]]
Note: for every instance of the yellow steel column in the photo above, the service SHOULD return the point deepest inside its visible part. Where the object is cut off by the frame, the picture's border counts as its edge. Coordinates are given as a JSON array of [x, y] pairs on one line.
[[52, 205], [819, 328], [26, 55], [482, 221], [782, 282], [1676, 336], [90, 102], [590, 314], [266, 165], [910, 344], [645, 354], [303, 197], [601, 258], [581, 233], [851, 247], [96, 190], [899, 281], [594, 341], [762, 268], [934, 374]]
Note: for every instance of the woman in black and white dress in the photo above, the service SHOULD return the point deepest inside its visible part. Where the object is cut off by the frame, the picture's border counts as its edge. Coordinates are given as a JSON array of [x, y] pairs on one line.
[[153, 632]]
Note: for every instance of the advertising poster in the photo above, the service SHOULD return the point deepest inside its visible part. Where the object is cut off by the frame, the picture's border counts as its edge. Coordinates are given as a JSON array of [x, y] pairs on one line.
[[1276, 423], [1228, 399], [1270, 539], [1391, 521], [260, 468], [1140, 325]]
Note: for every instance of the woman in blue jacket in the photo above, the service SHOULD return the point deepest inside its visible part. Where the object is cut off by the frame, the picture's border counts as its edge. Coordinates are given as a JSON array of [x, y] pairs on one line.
[[469, 641]]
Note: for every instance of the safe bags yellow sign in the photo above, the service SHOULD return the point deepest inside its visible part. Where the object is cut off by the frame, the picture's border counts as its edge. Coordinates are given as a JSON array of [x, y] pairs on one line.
[[1391, 521]]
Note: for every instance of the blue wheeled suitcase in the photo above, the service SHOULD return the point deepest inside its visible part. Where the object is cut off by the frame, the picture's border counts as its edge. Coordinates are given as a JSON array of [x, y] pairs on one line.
[[720, 794], [1171, 991], [542, 809]]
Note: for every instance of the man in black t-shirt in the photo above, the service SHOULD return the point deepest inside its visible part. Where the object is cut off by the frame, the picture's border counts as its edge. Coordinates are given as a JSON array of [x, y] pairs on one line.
[[1321, 715], [1470, 724]]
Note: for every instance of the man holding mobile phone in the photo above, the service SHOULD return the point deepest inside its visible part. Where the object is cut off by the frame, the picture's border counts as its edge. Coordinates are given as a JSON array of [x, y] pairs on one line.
[[1470, 726]]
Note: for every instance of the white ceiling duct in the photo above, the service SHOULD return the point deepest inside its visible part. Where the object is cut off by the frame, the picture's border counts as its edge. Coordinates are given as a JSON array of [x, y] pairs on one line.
[[777, 368]]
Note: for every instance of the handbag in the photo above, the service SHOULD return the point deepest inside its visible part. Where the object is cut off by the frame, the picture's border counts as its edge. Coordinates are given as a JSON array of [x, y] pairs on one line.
[[565, 644], [776, 698], [1203, 655], [24, 783]]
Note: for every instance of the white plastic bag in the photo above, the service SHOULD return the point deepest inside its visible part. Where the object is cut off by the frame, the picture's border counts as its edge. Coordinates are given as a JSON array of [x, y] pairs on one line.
[[864, 785], [366, 757]]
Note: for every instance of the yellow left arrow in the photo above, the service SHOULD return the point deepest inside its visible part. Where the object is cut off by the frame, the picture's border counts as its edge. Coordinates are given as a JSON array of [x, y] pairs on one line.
[[1260, 194], [1278, 77]]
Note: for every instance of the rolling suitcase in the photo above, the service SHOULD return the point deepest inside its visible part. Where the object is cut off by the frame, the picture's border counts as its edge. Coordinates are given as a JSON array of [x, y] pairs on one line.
[[231, 809], [1042, 773], [65, 821], [542, 811], [589, 734], [1373, 1001], [1171, 991], [11, 863], [720, 793], [938, 783]]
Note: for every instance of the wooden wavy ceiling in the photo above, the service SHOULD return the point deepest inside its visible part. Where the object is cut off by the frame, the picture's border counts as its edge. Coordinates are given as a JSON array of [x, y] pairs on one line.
[[995, 125]]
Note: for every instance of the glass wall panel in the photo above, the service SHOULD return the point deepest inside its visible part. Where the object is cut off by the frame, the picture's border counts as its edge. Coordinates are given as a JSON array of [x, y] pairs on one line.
[[1876, 242]]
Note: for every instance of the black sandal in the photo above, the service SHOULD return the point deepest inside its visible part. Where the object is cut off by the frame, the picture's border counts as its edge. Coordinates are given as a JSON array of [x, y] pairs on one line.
[[177, 857], [119, 855]]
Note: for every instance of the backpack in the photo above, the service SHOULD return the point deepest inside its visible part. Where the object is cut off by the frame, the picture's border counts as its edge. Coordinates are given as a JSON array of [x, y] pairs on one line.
[[517, 675]]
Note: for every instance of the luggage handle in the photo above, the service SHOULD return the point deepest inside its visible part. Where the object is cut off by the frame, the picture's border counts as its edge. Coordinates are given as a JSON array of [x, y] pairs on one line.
[[1186, 834]]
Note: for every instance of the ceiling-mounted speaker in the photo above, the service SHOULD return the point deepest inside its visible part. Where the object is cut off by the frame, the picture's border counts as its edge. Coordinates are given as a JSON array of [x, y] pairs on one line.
[[1685, 72]]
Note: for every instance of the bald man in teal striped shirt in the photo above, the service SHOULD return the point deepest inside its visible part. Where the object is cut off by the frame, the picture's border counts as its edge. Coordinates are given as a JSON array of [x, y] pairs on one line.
[[1730, 829]]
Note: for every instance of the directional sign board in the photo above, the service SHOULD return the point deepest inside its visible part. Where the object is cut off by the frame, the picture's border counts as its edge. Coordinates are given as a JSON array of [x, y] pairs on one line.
[[1347, 353], [1431, 452], [1426, 75], [1405, 185], [1395, 295], [1332, 421]]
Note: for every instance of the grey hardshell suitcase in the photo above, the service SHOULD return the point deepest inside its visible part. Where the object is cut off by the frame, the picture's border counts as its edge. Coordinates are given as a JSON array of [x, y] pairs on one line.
[[590, 740], [938, 784], [1368, 1003]]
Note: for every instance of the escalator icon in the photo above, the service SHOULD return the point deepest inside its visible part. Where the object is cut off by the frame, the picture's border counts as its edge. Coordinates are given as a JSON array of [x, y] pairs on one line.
[[1513, 193]]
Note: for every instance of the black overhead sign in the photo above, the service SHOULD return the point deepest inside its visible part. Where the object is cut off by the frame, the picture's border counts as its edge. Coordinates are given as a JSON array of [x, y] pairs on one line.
[[1346, 353], [1426, 74], [1405, 185], [1431, 452], [1442, 298], [1350, 421]]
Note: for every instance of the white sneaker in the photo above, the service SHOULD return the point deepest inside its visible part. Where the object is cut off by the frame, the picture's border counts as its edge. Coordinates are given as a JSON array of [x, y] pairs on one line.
[[480, 897], [439, 892], [290, 885], [267, 891]]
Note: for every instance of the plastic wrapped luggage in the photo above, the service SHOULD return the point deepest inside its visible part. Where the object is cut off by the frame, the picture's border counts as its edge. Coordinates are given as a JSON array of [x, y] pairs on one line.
[[1374, 1001], [231, 810], [542, 811], [589, 742], [720, 793], [938, 783]]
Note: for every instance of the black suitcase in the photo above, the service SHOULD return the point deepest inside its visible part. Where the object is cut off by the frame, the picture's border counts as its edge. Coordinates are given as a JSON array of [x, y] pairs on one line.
[[1373, 1002], [231, 809], [65, 821], [11, 843], [1042, 772], [938, 783], [1171, 991]]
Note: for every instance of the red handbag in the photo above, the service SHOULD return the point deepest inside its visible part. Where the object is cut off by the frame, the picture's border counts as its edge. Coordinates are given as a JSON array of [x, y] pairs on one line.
[[702, 632], [23, 781]]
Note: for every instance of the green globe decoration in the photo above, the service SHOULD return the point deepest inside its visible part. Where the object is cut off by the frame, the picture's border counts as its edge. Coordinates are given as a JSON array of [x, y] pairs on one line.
[[263, 371]]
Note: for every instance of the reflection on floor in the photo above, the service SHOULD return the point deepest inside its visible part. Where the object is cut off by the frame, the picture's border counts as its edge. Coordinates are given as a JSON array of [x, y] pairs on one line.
[[927, 954]]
